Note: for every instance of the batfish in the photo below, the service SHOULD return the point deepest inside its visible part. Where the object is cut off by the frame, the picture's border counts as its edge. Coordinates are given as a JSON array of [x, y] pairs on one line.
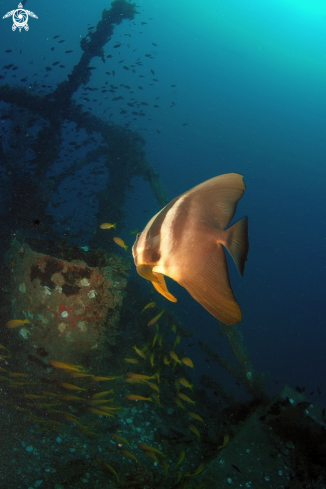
[[185, 241]]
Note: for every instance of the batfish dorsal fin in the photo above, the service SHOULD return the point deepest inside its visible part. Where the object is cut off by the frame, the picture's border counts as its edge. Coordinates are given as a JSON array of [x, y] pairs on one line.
[[161, 287], [217, 198]]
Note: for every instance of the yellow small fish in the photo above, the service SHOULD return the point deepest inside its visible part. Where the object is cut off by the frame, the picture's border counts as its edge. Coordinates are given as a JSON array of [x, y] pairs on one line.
[[108, 225], [154, 386], [226, 440], [148, 448], [135, 381], [196, 416], [130, 455], [75, 447], [111, 469], [182, 456], [72, 387], [154, 320], [3, 347], [174, 329], [185, 398], [199, 471], [194, 430], [100, 412], [134, 231], [72, 419], [151, 359], [179, 403], [166, 467], [121, 243], [96, 402], [79, 374], [140, 376], [123, 440], [179, 478], [98, 395], [175, 357], [109, 408], [166, 361], [101, 379], [14, 323], [149, 305], [66, 366], [152, 455], [155, 339], [157, 375], [177, 341], [131, 360], [135, 397], [185, 383], [187, 361], [140, 353]]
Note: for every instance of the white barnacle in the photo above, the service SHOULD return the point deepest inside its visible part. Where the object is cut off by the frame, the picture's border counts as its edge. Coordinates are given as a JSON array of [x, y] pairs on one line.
[[24, 333], [91, 294], [47, 290], [84, 282], [64, 314], [82, 326]]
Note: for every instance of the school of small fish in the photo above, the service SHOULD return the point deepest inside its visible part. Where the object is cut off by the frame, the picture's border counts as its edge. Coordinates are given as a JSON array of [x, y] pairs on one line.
[[145, 382]]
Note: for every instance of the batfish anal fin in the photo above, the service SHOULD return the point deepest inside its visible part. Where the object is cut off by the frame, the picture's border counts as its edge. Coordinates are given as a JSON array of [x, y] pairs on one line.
[[237, 243], [146, 272], [209, 284], [161, 287]]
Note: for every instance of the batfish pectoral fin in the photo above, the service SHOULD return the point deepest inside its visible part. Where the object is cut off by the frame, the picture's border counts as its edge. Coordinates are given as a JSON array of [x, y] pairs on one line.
[[161, 287], [146, 272]]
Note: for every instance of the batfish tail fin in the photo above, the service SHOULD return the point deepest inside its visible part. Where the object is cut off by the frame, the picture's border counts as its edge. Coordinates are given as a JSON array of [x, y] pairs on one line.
[[237, 243]]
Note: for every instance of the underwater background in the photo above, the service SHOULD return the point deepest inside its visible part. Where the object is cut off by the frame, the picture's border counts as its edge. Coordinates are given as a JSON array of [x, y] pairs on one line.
[[220, 86]]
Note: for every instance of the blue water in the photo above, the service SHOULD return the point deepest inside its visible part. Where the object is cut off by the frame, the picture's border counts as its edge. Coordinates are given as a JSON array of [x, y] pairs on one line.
[[250, 84]]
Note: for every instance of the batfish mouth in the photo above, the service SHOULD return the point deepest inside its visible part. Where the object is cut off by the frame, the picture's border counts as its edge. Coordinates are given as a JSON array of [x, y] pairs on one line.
[[133, 249], [134, 255]]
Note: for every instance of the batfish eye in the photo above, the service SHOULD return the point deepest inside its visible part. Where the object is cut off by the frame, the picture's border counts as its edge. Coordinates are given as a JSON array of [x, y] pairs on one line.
[[138, 236]]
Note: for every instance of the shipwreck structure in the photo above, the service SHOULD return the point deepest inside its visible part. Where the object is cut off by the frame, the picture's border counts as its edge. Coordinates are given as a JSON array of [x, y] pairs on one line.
[[29, 182]]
